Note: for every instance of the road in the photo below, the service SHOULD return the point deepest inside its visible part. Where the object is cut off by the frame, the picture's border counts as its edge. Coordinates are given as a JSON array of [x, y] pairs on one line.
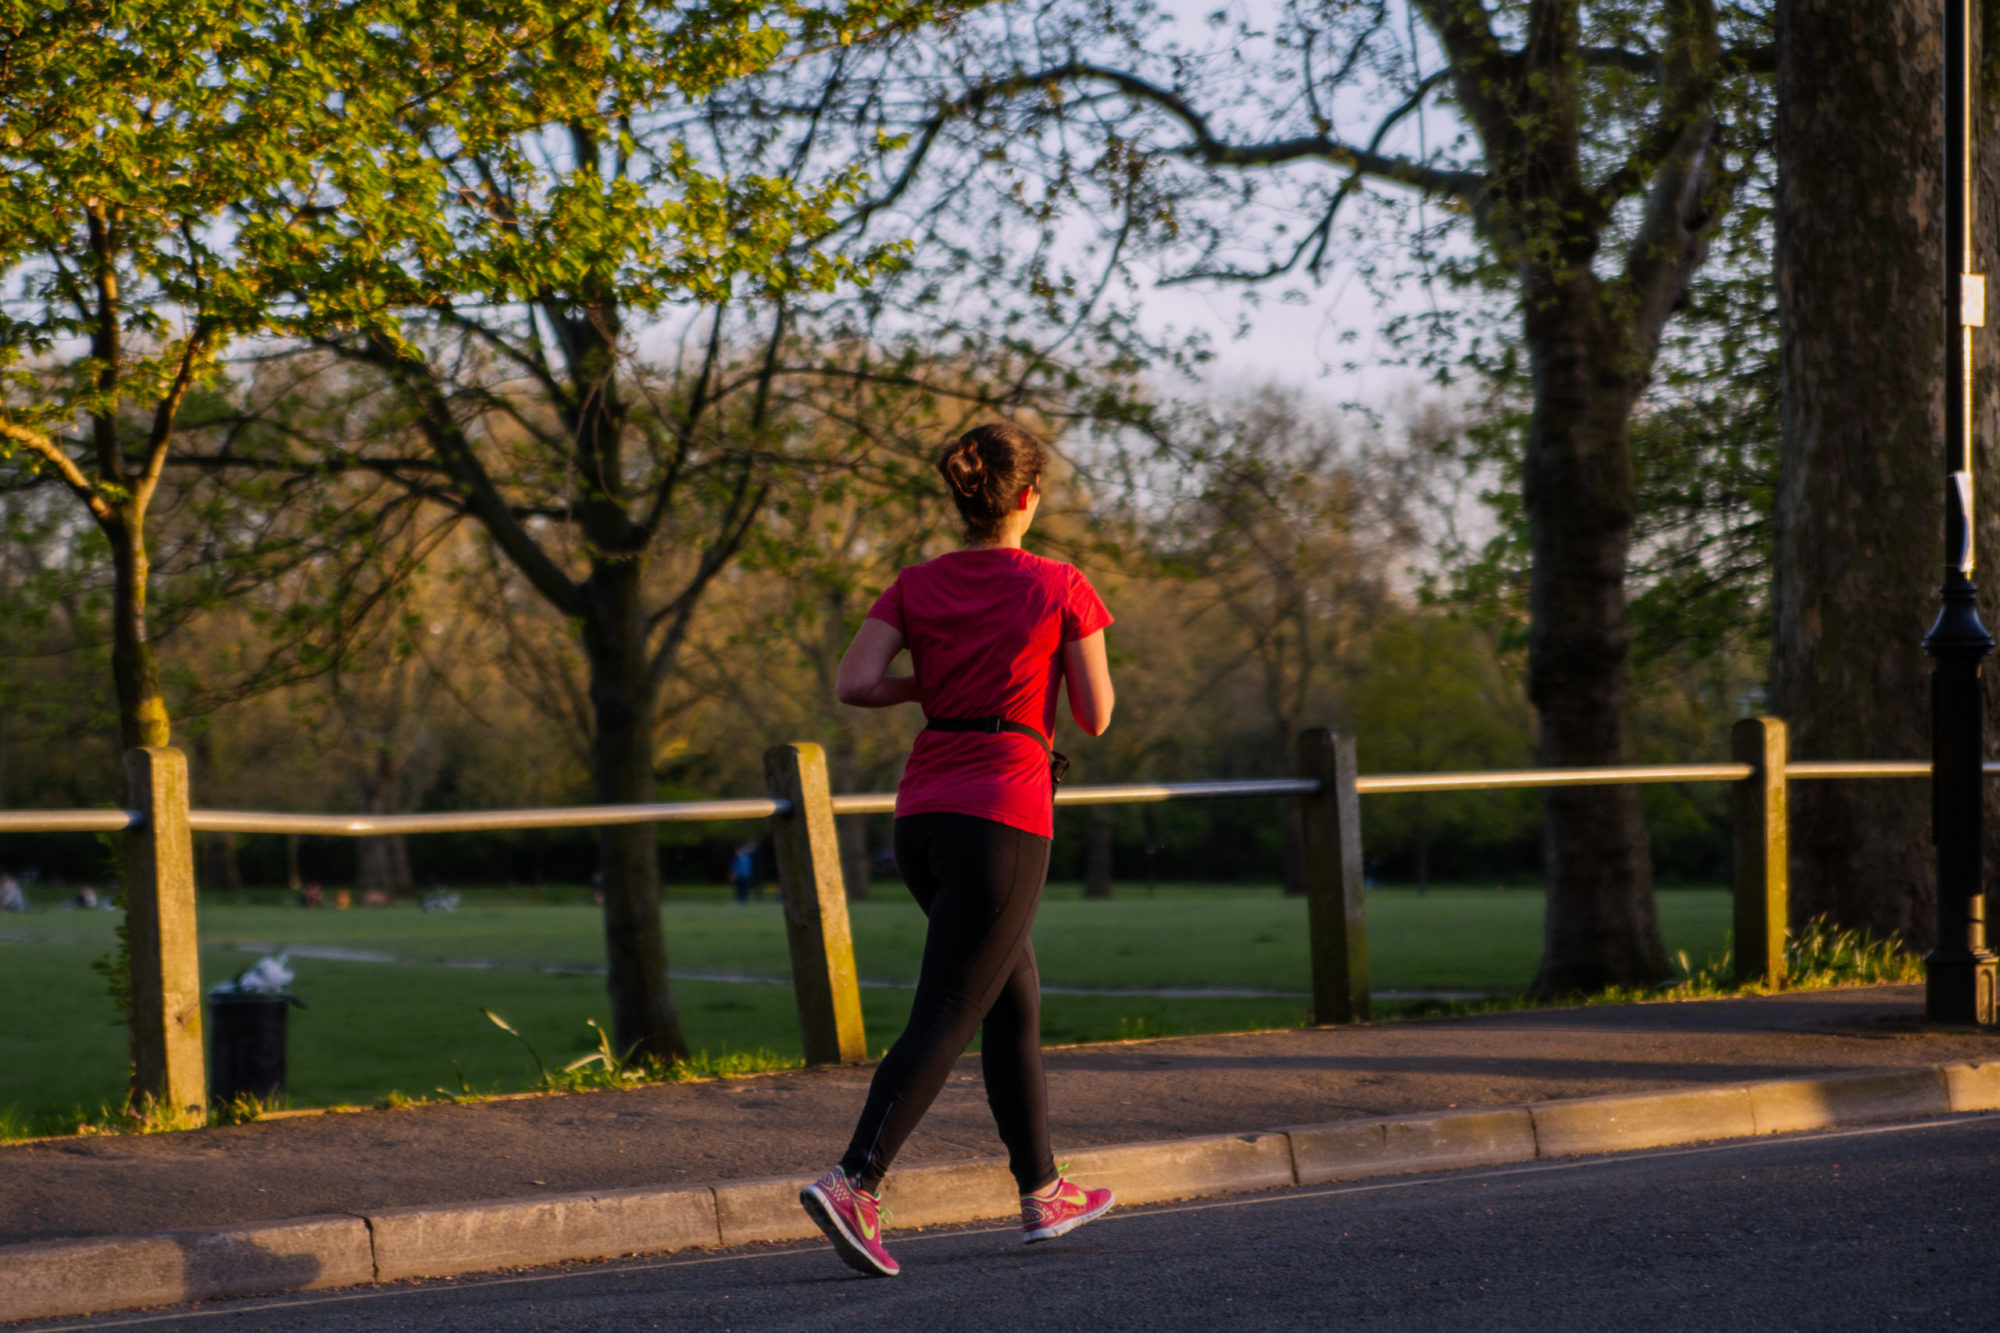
[[1866, 1229]]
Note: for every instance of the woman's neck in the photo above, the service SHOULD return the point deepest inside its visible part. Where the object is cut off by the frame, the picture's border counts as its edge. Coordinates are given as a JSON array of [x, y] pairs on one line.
[[1008, 538]]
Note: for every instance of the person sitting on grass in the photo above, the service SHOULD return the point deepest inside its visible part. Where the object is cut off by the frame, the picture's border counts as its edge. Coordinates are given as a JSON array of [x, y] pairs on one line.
[[992, 631]]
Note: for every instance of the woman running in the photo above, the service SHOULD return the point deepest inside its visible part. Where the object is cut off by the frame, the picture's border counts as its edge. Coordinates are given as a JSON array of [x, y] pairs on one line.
[[991, 631]]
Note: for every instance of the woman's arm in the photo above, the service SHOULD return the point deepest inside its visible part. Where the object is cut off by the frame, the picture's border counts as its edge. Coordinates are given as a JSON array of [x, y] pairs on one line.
[[1089, 677], [863, 679]]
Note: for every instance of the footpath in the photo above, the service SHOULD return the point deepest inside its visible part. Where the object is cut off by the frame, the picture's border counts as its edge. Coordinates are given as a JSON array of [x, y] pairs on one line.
[[93, 1224]]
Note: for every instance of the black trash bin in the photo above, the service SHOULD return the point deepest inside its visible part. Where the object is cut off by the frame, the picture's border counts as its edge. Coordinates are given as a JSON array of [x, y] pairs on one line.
[[246, 1045]]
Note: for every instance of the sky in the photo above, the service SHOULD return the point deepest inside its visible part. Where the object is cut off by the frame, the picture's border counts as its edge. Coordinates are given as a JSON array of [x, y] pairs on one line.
[[1301, 343], [1298, 344]]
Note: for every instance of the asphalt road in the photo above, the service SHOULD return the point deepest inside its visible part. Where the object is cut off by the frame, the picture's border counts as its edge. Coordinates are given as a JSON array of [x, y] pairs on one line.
[[1866, 1229]]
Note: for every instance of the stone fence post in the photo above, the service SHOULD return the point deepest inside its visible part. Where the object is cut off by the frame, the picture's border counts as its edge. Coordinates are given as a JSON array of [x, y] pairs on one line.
[[1336, 915], [815, 898], [1758, 879]]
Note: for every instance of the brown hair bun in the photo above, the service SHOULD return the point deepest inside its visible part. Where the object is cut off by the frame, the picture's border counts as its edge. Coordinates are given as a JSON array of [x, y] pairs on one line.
[[962, 466], [987, 468]]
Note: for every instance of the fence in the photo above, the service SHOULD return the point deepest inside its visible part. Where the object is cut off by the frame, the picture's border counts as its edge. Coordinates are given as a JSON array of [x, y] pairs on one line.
[[160, 891]]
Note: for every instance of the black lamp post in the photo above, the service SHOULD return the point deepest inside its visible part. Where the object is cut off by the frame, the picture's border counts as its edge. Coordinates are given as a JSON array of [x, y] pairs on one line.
[[1959, 972]]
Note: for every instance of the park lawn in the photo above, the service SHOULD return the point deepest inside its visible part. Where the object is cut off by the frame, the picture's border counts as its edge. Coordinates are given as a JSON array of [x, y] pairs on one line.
[[415, 1028], [1215, 936], [372, 1030]]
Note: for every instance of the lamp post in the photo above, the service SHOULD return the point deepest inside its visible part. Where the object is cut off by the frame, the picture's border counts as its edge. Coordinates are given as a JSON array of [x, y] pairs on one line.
[[1959, 972]]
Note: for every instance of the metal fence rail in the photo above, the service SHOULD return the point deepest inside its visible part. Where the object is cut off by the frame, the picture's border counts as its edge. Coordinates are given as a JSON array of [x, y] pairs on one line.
[[481, 821], [1127, 793], [597, 816], [1866, 768], [1631, 774], [882, 803], [68, 821]]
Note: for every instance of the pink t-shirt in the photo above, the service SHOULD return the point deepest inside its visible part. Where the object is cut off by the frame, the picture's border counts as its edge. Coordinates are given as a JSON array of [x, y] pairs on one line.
[[985, 629]]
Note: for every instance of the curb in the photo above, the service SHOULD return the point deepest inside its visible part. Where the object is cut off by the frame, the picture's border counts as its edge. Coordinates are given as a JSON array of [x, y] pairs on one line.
[[45, 1279]]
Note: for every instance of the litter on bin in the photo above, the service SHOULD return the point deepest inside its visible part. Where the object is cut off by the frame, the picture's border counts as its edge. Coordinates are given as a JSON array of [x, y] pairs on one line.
[[269, 975]]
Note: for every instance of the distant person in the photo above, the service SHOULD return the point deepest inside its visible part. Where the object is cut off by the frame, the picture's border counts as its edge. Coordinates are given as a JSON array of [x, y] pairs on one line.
[[11, 897], [743, 870], [992, 631]]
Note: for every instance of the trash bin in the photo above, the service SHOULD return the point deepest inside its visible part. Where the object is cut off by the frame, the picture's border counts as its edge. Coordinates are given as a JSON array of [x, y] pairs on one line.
[[248, 1019]]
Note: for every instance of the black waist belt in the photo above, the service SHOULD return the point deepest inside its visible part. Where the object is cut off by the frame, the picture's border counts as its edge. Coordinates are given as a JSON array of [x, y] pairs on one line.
[[1058, 763], [986, 724]]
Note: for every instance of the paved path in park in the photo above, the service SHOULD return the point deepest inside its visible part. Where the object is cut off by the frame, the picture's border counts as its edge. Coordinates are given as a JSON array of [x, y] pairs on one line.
[[797, 1122]]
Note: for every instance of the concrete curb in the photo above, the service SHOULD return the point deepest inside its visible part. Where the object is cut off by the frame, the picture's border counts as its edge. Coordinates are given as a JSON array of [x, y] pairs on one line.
[[438, 1240], [114, 1272], [79, 1277]]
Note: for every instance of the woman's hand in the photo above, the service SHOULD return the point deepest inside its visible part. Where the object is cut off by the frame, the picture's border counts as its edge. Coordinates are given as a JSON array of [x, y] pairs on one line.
[[863, 679], [1089, 678]]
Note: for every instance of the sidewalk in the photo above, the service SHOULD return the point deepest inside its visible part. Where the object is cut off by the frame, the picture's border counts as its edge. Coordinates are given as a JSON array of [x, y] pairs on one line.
[[796, 1123]]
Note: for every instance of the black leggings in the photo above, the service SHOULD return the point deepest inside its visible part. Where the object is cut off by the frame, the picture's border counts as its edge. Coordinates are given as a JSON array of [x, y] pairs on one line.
[[979, 883]]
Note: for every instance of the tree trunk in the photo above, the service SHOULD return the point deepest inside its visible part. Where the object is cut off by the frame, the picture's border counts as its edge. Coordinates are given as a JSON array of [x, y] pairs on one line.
[[852, 833], [1603, 927], [1097, 854], [1859, 520], [142, 709], [1423, 846], [1292, 870], [1152, 848], [383, 864], [644, 1018], [222, 869]]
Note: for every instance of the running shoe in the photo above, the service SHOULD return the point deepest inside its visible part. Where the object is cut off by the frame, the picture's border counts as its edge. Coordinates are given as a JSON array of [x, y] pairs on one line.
[[852, 1220], [1061, 1208]]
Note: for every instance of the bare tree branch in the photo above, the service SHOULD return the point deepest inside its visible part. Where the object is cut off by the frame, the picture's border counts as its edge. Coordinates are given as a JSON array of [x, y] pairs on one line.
[[447, 437]]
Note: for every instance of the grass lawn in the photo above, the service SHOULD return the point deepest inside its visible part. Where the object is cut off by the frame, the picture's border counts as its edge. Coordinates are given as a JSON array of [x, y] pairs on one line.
[[415, 1026]]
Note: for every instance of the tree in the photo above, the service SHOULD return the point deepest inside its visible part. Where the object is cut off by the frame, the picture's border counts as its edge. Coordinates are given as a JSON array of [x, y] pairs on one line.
[[1860, 505], [128, 135], [145, 152], [500, 256], [163, 163]]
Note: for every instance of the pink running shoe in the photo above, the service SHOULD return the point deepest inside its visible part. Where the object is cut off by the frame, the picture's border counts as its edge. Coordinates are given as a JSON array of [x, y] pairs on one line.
[[852, 1221], [1061, 1208]]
